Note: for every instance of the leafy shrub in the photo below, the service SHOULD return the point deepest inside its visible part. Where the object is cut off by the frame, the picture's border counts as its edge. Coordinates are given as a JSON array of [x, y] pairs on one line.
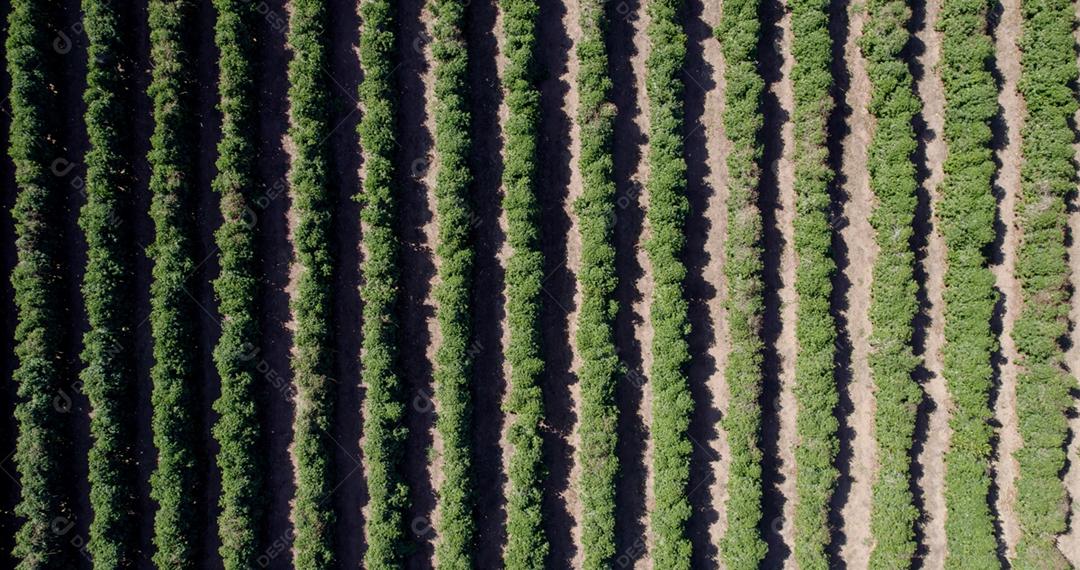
[[600, 368], [526, 545], [893, 291], [309, 102], [742, 546], [384, 428], [453, 362], [238, 431], [175, 482], [668, 208], [43, 445], [815, 329], [967, 211], [108, 347], [1048, 177]]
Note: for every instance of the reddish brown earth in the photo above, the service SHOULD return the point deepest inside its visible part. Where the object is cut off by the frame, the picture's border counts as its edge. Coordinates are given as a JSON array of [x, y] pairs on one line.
[[706, 151], [931, 456], [862, 251], [1008, 182], [629, 150], [491, 333], [557, 21], [643, 335], [276, 260], [417, 312], [786, 345]]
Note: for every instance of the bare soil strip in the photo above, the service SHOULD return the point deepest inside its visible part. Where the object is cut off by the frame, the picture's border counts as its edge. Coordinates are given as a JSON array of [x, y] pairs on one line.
[[557, 26], [629, 46], [276, 257], [72, 142], [931, 456], [629, 155], [777, 203], [1069, 543], [859, 238], [207, 220], [1008, 186], [572, 23], [487, 62], [643, 331], [351, 494], [142, 125], [706, 150], [417, 227], [785, 345]]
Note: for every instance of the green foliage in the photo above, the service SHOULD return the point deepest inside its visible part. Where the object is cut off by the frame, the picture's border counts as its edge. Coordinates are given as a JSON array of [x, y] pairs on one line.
[[43, 446], [175, 482], [309, 102], [893, 292], [742, 546], [600, 368], [526, 545], [238, 430], [1048, 76], [108, 347], [384, 427], [668, 208], [967, 211], [453, 361], [815, 329]]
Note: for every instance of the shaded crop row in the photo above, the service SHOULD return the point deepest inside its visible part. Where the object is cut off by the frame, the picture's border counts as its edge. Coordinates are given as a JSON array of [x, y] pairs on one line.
[[175, 482], [600, 367], [453, 361], [384, 406], [108, 376], [1047, 80], [893, 106], [309, 100], [742, 546], [238, 431], [967, 209], [668, 209], [527, 545], [42, 449], [815, 329]]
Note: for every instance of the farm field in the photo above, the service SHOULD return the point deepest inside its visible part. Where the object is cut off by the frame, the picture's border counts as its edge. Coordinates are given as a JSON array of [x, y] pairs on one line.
[[534, 284]]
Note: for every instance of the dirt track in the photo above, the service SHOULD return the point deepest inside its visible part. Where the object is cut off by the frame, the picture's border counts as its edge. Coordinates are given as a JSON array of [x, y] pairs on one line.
[[706, 147], [1008, 186], [857, 477], [930, 459]]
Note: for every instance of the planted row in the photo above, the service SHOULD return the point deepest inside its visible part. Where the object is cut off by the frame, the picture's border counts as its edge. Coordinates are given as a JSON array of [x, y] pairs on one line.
[[600, 367], [108, 374], [967, 212], [739, 32], [384, 406], [815, 329], [453, 361], [309, 100], [527, 545], [668, 209], [42, 450], [175, 482], [893, 292], [238, 431], [1047, 78]]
